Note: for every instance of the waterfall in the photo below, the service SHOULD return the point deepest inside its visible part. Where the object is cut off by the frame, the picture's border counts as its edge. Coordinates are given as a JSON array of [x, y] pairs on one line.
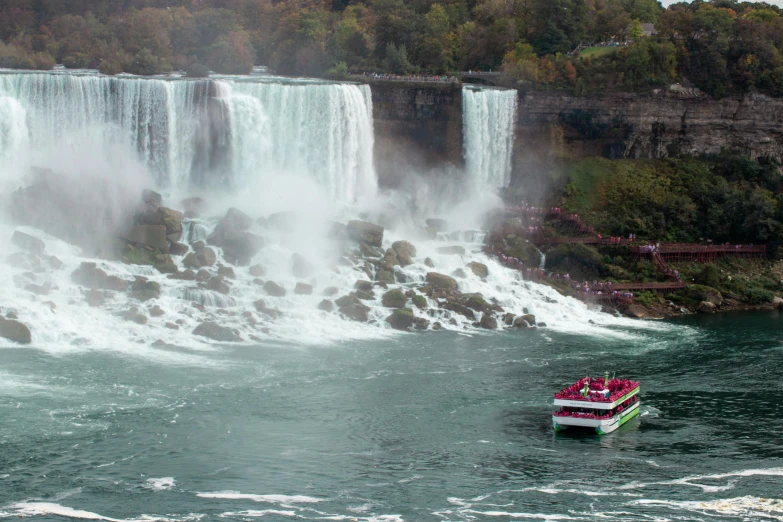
[[488, 118], [210, 134]]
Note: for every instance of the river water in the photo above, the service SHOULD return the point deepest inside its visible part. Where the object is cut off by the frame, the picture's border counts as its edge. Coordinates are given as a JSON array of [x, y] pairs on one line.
[[416, 427]]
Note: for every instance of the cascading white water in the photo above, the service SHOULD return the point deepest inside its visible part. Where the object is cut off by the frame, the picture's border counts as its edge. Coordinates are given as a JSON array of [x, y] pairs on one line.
[[488, 120], [217, 134], [324, 131]]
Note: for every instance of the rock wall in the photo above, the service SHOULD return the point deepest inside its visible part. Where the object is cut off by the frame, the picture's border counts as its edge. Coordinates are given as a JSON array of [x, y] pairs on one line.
[[418, 126], [651, 125]]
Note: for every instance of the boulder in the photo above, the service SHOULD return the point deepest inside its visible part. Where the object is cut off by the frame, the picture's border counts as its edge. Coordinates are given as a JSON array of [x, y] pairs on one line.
[[419, 323], [363, 231], [706, 307], [364, 295], [508, 319], [363, 285], [368, 251], [441, 282], [261, 307], [638, 311], [300, 267], [153, 236], [405, 252], [15, 331], [165, 265], [347, 300], [356, 312], [394, 299], [303, 289], [401, 319], [144, 289], [429, 262], [704, 293], [488, 322], [28, 242], [257, 271], [525, 321], [151, 198], [43, 289], [191, 261], [460, 309], [157, 311], [198, 246], [218, 333], [169, 218], [55, 263], [172, 326], [219, 284], [478, 303], [274, 289], [239, 246], [326, 305], [134, 316], [452, 250], [226, 271], [479, 269], [332, 290], [89, 275], [194, 205], [242, 250], [384, 276], [460, 273], [206, 257], [203, 275], [178, 249], [419, 301]]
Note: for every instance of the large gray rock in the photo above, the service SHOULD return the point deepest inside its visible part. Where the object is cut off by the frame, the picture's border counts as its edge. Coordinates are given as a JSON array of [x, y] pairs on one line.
[[153, 236], [274, 289], [488, 322], [366, 232], [168, 217], [326, 305], [303, 289], [218, 333], [460, 309], [239, 246], [357, 312], [206, 257], [706, 307], [401, 319], [405, 252], [479, 269], [394, 299], [441, 281], [15, 331], [89, 275], [28, 242]]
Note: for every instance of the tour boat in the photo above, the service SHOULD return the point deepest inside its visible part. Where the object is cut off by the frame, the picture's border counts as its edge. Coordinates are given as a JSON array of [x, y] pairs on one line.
[[599, 404]]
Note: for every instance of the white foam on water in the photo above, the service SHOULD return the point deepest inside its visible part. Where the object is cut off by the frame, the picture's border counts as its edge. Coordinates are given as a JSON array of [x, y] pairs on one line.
[[160, 484], [31, 509], [271, 499], [710, 488], [747, 507], [259, 513]]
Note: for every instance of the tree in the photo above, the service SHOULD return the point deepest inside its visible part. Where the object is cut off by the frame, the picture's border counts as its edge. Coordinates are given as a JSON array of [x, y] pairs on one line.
[[636, 30]]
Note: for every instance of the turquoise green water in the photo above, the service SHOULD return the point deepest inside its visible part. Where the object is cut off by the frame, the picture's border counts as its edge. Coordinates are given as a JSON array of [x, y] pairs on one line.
[[433, 426]]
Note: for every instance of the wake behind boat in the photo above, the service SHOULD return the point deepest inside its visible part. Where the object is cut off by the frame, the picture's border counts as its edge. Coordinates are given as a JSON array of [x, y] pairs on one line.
[[600, 404]]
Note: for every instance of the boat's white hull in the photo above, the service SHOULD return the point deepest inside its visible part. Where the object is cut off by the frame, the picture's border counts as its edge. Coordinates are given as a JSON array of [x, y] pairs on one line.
[[601, 426]]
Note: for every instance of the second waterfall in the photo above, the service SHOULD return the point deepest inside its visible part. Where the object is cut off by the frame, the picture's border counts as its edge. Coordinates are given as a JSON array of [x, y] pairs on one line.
[[488, 120]]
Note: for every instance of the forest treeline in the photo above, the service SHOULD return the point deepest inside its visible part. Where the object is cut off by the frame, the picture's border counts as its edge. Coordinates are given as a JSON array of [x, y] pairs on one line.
[[722, 47]]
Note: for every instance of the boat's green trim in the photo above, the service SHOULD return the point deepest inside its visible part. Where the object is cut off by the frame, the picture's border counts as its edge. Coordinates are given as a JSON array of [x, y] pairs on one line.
[[559, 427], [623, 419], [628, 395]]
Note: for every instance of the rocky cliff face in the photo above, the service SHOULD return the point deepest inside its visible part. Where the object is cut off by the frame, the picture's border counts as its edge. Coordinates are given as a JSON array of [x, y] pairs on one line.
[[654, 125], [419, 126]]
